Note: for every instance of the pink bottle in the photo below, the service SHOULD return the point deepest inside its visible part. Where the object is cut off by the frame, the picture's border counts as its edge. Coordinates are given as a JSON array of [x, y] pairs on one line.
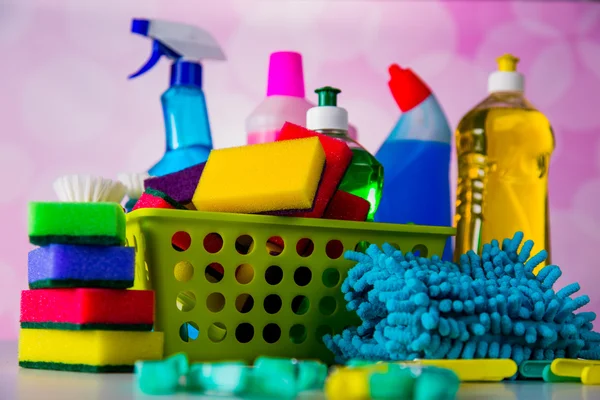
[[285, 101]]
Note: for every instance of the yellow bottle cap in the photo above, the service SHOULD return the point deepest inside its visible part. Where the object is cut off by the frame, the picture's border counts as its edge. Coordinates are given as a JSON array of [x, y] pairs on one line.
[[507, 63]]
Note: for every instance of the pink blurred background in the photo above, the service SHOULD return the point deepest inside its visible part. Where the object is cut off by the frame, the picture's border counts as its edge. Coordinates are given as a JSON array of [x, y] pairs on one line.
[[67, 107]]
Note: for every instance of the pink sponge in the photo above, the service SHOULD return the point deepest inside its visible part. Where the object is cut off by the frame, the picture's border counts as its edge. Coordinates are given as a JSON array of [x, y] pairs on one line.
[[348, 207], [337, 159], [79, 309], [152, 198], [179, 185]]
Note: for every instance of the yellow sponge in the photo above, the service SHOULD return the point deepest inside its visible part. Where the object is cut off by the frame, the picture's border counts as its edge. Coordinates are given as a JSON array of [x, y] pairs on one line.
[[87, 351], [276, 176]]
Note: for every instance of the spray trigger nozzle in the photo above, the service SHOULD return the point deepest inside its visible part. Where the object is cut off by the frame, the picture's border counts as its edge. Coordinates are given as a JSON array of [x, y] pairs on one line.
[[158, 50]]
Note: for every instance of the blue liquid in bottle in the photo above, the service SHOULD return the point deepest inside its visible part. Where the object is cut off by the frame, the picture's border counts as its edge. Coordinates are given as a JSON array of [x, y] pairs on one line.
[[187, 128], [416, 159]]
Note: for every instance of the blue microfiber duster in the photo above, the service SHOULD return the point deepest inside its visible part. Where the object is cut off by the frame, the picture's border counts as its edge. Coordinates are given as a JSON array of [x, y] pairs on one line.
[[491, 306]]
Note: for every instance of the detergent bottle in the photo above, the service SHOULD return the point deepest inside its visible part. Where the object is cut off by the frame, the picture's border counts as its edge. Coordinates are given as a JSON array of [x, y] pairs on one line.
[[503, 147], [416, 158], [285, 101], [187, 128], [364, 177]]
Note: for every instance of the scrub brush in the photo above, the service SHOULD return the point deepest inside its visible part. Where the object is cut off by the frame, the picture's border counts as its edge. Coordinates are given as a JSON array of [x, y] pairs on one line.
[[488, 306], [134, 182], [88, 189]]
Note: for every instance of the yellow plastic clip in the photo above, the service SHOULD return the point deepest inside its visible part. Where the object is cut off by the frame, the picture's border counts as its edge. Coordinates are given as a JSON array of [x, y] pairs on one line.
[[488, 370], [351, 383], [591, 375], [588, 371]]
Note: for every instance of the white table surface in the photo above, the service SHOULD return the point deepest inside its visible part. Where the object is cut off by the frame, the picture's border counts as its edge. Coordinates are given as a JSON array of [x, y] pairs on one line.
[[29, 384]]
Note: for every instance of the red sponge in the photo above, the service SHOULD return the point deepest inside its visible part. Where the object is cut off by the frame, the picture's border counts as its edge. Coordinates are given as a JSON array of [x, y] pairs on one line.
[[152, 198], [89, 308], [337, 159], [348, 207]]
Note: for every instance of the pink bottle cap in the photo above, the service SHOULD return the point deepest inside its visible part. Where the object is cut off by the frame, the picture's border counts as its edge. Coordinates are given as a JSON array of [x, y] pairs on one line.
[[285, 74]]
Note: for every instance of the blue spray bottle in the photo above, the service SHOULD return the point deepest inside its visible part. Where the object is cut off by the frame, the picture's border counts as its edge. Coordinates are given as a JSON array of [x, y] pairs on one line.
[[416, 158], [187, 128]]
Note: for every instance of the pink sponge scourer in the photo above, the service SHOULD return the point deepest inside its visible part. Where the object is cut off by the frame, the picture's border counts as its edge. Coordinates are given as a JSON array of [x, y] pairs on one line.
[[348, 207], [337, 159], [179, 185], [152, 198], [82, 309]]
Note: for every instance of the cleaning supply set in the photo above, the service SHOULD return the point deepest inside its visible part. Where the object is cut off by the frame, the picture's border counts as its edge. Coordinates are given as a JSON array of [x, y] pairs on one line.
[[78, 315], [503, 147], [276, 261]]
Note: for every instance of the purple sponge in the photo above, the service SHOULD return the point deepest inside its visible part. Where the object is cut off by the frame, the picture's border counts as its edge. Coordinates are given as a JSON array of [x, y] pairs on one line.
[[180, 186], [59, 265]]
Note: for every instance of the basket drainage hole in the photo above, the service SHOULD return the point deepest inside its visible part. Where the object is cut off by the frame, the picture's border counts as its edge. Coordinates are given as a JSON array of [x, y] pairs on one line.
[[181, 241], [244, 274], [186, 301], [214, 272], [183, 271], [215, 302], [305, 247], [298, 334], [334, 249], [275, 245], [327, 305], [244, 332], [271, 333], [302, 276], [244, 303], [273, 275], [322, 331], [213, 243], [362, 246], [217, 332], [244, 244], [300, 305], [420, 250], [331, 277], [189, 331], [272, 304]]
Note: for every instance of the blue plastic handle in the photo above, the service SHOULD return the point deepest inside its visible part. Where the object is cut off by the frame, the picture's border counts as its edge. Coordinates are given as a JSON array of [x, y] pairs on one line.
[[158, 50]]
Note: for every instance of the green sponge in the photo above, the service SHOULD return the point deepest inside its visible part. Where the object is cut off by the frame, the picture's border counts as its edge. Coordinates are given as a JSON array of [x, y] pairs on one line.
[[100, 224]]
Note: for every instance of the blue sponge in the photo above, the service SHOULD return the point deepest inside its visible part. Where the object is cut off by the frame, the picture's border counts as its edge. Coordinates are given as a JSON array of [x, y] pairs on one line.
[[489, 306]]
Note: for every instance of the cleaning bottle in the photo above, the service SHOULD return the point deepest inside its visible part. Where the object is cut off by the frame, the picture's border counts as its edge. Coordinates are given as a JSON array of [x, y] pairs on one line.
[[364, 177], [285, 101], [187, 127], [416, 158], [504, 147]]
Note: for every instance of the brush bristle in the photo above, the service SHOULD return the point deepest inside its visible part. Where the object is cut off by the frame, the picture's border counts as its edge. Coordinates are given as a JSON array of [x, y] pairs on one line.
[[88, 189], [134, 182]]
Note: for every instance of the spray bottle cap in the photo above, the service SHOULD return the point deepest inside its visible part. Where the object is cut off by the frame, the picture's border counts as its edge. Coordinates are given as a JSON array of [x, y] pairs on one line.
[[506, 79], [286, 77], [182, 43], [407, 88], [327, 115]]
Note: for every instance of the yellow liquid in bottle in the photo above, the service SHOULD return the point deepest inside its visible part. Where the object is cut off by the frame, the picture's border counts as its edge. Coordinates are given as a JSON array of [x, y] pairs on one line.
[[504, 147]]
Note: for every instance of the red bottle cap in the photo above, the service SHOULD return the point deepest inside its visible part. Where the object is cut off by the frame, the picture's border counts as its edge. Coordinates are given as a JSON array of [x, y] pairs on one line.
[[407, 88]]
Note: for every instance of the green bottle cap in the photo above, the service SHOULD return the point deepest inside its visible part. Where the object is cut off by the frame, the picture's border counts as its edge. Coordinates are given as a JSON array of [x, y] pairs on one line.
[[328, 96]]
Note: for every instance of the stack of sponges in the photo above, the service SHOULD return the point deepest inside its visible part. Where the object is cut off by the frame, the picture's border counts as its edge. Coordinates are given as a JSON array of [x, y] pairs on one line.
[[78, 315], [298, 175]]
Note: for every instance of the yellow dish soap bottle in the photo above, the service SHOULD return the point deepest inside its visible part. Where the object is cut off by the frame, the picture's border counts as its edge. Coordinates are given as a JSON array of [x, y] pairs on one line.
[[503, 146]]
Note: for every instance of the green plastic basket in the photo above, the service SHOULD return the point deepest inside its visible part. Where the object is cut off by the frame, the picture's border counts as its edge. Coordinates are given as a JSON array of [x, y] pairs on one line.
[[296, 294]]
